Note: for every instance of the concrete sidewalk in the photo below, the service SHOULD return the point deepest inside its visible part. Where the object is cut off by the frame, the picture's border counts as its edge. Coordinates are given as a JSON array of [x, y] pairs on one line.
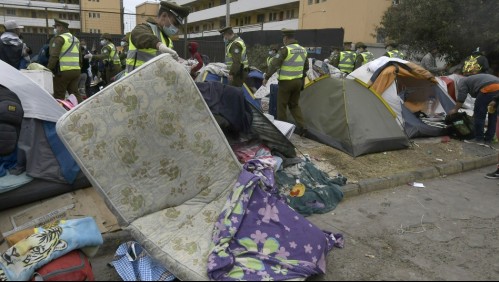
[[464, 156]]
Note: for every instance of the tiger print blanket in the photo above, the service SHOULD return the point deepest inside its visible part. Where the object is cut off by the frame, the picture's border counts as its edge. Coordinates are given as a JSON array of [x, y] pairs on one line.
[[20, 261]]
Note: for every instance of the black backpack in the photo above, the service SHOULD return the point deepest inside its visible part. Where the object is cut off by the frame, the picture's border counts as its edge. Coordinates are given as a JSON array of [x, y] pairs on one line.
[[11, 117], [460, 126]]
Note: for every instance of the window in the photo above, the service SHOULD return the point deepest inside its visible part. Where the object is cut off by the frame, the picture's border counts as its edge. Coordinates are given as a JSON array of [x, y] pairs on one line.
[[33, 14], [288, 14], [317, 1], [247, 20], [11, 12], [89, 14], [395, 2], [260, 18], [272, 17], [292, 14], [310, 2]]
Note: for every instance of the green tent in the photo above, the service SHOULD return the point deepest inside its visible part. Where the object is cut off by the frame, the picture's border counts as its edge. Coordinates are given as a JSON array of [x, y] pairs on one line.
[[346, 115]]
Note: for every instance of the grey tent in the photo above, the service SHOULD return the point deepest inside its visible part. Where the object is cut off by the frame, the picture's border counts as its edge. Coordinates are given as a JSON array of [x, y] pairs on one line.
[[40, 154], [345, 115]]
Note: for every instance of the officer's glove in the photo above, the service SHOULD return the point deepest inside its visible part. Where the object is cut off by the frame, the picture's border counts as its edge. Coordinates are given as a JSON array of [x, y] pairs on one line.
[[163, 49], [88, 56]]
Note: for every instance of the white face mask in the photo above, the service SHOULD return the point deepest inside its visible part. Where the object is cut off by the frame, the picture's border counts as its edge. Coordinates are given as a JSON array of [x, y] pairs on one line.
[[171, 30], [103, 42], [123, 44], [55, 30], [271, 53]]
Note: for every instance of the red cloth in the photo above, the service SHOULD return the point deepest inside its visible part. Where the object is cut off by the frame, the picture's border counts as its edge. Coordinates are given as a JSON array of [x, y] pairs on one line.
[[193, 49]]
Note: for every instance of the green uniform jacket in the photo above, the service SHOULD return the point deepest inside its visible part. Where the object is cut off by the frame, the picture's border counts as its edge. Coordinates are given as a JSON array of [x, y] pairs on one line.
[[277, 61], [55, 46], [236, 50], [143, 37]]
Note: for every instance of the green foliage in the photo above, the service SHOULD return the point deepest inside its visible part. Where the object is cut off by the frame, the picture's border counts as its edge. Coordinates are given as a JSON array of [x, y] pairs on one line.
[[257, 55], [456, 26]]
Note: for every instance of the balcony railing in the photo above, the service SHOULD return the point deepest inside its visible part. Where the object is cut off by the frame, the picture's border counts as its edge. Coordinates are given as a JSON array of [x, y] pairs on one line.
[[37, 22]]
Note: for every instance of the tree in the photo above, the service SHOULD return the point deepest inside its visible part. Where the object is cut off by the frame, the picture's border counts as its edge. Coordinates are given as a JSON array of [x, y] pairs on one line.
[[456, 26]]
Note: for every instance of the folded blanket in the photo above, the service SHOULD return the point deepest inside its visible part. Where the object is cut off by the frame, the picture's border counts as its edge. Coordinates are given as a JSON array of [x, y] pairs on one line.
[[259, 237], [20, 261]]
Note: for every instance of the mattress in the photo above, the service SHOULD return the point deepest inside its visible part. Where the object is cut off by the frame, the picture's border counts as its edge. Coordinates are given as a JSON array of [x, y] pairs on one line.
[[150, 146]]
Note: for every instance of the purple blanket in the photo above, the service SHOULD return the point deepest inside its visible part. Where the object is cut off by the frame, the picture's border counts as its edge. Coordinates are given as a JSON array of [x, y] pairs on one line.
[[259, 237]]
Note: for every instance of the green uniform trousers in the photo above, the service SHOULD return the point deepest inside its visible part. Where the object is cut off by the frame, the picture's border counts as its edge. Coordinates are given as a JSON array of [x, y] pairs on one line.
[[111, 72], [289, 96], [67, 81], [239, 79]]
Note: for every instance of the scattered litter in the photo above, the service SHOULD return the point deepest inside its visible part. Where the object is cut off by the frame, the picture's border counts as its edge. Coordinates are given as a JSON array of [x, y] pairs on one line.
[[440, 160], [384, 153], [369, 256], [416, 184]]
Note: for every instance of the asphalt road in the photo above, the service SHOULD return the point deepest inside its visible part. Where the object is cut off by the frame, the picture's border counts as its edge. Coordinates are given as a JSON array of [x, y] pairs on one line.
[[445, 231]]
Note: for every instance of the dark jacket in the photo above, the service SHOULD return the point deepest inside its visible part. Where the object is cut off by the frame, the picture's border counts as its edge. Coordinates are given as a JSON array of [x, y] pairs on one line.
[[11, 50]]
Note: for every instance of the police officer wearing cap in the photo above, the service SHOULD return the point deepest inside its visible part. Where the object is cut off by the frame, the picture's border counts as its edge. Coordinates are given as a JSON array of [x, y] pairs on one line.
[[392, 51], [364, 56], [153, 37], [124, 51], [236, 57], [64, 61], [109, 56], [292, 63], [345, 62]]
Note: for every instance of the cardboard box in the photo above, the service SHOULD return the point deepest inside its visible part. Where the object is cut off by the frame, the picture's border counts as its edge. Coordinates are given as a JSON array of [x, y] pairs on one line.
[[42, 78]]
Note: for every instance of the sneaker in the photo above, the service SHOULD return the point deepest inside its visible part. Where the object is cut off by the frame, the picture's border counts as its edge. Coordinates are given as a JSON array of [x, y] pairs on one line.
[[493, 175]]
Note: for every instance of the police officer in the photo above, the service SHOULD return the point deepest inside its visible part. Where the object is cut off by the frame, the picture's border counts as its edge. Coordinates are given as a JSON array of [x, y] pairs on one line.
[[345, 62], [364, 56], [64, 61], [293, 64], [109, 56], [392, 52], [153, 37], [124, 45], [236, 57]]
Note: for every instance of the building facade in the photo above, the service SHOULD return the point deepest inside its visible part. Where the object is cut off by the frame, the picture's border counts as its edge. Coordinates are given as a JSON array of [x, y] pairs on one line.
[[359, 18], [91, 16], [207, 16]]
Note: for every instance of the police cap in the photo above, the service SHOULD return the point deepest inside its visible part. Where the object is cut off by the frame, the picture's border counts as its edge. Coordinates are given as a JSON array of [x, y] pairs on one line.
[[178, 11], [61, 23], [106, 36], [288, 32], [360, 45], [226, 29]]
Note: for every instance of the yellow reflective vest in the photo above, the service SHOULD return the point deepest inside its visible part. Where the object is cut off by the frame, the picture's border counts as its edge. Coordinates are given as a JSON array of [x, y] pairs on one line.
[[113, 56], [293, 65], [137, 57], [347, 61], [69, 59], [368, 56], [396, 54], [228, 55]]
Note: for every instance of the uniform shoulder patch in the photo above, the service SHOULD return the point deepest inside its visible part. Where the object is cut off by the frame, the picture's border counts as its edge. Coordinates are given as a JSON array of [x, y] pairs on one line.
[[236, 51]]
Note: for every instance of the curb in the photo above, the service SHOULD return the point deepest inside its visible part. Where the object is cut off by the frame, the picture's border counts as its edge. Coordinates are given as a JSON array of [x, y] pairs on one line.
[[399, 179]]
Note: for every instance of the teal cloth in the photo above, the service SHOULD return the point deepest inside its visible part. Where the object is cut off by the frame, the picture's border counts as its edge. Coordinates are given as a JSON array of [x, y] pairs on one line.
[[322, 193], [10, 182], [21, 261]]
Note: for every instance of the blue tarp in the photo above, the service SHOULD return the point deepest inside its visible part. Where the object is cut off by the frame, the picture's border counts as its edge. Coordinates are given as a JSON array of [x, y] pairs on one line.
[[247, 92]]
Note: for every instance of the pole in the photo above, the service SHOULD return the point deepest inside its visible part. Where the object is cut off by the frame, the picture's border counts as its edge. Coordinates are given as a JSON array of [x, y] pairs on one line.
[[47, 22], [227, 14], [185, 38]]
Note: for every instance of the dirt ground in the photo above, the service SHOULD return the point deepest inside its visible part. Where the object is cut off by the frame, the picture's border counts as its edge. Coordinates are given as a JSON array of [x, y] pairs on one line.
[[425, 152]]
